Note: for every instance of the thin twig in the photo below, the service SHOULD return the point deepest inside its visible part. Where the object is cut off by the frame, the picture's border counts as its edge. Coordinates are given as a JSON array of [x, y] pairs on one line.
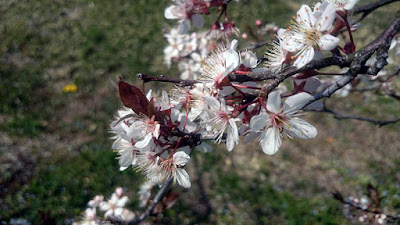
[[367, 9], [339, 115], [339, 197], [156, 200]]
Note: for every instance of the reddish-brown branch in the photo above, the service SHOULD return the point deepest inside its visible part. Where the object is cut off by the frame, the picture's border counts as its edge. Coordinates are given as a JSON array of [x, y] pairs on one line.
[[161, 78]]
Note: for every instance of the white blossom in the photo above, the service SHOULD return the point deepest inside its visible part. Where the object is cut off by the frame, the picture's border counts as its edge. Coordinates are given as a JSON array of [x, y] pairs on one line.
[[282, 123], [308, 33], [219, 65], [220, 121]]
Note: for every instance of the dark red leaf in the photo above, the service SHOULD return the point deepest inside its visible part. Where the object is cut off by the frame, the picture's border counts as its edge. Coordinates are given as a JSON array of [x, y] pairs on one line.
[[132, 97]]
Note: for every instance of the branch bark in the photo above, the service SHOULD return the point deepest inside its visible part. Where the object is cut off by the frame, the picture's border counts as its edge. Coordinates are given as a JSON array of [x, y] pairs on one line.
[[156, 200], [367, 9], [339, 115]]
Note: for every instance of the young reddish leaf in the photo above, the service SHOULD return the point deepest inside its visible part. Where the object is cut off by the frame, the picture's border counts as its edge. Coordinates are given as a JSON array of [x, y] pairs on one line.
[[132, 97]]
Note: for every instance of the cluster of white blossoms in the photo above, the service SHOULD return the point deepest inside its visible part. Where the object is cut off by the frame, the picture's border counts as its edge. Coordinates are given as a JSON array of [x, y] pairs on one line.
[[113, 207], [157, 134], [188, 50]]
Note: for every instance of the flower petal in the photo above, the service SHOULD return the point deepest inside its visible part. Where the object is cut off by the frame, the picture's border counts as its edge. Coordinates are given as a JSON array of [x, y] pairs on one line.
[[299, 128], [183, 26], [143, 143], [271, 141], [181, 158], [169, 13], [232, 136], [328, 42], [126, 158], [197, 20], [274, 102], [259, 121], [296, 102], [182, 177], [305, 57], [305, 15], [249, 60], [204, 147], [327, 17]]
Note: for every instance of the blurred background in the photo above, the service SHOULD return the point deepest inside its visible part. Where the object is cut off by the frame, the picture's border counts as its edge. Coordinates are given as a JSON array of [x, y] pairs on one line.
[[59, 64]]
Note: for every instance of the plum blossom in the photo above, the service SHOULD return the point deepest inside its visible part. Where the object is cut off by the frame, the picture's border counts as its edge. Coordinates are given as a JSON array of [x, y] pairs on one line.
[[173, 168], [143, 130], [220, 120], [183, 11], [308, 33], [89, 217], [282, 123], [276, 56], [219, 65], [95, 202], [114, 206], [148, 163]]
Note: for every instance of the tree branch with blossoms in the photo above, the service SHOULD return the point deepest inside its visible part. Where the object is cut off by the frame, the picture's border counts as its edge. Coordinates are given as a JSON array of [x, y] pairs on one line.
[[223, 93]]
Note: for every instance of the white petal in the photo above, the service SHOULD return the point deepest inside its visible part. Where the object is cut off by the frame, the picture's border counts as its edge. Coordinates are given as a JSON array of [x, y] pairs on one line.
[[182, 177], [296, 102], [274, 102], [251, 136], [232, 136], [126, 158], [121, 168], [305, 57], [197, 20], [204, 147], [328, 42], [122, 201], [143, 143], [250, 60], [299, 128], [305, 15], [350, 4], [212, 102], [148, 95], [281, 33], [259, 121], [232, 60], [234, 44], [183, 26], [169, 13], [181, 158], [327, 17], [291, 43], [271, 141]]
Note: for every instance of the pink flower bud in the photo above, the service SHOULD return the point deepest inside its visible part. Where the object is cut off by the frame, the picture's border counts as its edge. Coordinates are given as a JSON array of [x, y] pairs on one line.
[[258, 22], [244, 36]]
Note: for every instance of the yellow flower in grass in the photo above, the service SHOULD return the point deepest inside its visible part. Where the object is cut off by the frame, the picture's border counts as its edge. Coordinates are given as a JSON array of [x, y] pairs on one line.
[[70, 88]]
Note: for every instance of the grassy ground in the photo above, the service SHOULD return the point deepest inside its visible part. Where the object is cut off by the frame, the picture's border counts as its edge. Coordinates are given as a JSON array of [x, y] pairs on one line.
[[55, 150]]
